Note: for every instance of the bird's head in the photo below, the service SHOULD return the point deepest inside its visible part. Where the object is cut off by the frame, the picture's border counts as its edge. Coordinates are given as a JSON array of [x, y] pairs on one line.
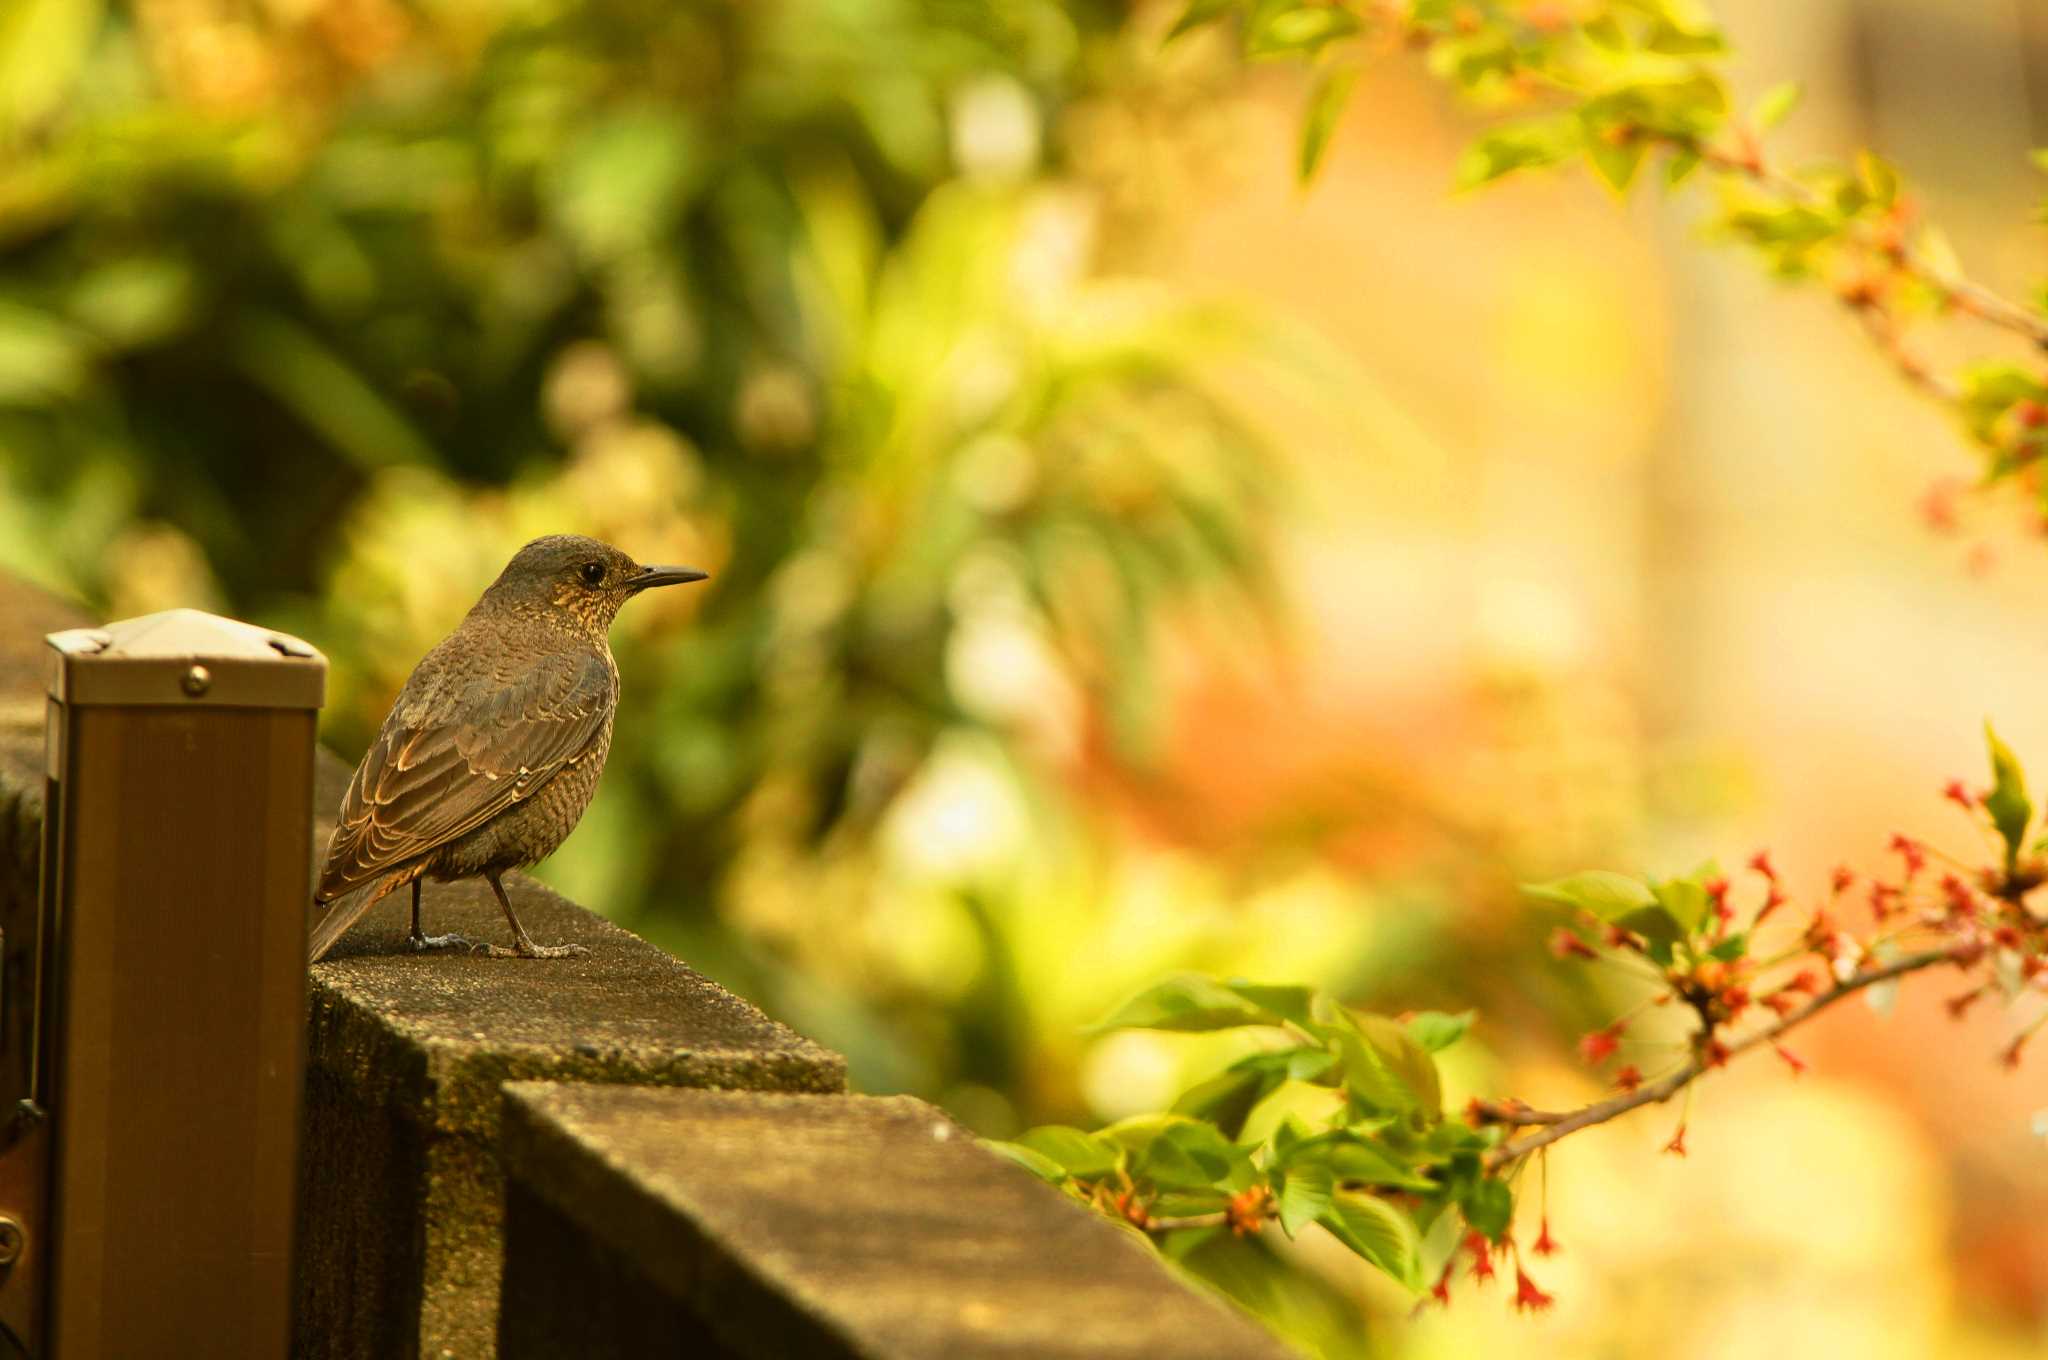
[[587, 580]]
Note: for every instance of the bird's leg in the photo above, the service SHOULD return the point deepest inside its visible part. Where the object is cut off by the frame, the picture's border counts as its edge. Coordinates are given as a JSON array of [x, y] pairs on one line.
[[522, 946], [419, 941]]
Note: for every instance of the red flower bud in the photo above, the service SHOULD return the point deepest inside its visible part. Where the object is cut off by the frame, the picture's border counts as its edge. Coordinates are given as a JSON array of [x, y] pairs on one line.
[[1566, 944], [1600, 1045], [1761, 863], [1527, 1296], [1482, 1257], [1805, 980], [1780, 1002], [1545, 1244], [1959, 1006], [1912, 852], [1956, 793], [1791, 1059], [1246, 1212], [1676, 1147], [1841, 880], [1735, 1000], [1629, 1078], [1441, 1290]]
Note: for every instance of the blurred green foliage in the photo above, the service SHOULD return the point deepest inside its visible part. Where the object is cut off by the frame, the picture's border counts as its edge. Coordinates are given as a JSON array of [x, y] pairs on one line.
[[315, 311]]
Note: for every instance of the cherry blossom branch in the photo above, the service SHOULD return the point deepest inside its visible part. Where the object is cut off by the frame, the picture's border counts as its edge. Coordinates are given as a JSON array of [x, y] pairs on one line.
[[1557, 1126], [1963, 293]]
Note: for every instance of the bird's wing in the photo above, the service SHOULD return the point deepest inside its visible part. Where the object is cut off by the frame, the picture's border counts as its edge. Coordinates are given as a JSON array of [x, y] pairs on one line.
[[452, 756]]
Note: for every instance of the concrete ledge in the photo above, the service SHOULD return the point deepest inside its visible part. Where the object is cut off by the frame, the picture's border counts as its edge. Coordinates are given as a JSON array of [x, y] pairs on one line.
[[648, 1222]]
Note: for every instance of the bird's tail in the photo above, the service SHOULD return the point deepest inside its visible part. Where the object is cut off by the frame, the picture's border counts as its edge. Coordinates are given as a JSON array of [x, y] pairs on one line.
[[344, 911]]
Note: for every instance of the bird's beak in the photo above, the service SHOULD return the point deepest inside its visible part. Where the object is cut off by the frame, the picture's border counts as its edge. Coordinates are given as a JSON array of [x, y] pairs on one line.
[[650, 577]]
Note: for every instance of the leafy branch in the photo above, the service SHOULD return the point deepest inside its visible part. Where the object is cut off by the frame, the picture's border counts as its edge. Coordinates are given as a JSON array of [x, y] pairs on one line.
[[1627, 86], [1337, 1121], [1553, 1126]]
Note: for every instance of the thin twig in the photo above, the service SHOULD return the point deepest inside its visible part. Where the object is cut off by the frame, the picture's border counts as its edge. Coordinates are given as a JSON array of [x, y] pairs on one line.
[[1514, 1114], [1964, 293], [1666, 1087], [1215, 1220]]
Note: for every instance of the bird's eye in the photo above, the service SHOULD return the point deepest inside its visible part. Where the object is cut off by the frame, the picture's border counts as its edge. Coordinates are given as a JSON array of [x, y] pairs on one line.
[[593, 573]]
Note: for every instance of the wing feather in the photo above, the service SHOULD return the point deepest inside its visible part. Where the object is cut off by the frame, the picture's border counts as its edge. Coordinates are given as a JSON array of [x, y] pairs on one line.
[[451, 757]]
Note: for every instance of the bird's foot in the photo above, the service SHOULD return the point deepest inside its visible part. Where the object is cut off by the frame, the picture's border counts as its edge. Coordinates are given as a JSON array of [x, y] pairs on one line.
[[527, 949], [422, 943]]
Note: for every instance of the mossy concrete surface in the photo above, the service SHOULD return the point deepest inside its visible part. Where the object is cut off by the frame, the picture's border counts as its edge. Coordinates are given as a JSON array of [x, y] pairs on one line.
[[729, 1224]]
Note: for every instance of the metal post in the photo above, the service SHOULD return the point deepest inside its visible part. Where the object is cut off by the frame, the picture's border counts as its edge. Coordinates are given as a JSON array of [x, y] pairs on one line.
[[163, 1085]]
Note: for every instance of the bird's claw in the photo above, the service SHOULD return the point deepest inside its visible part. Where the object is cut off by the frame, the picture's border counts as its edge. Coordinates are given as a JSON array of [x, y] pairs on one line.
[[422, 943]]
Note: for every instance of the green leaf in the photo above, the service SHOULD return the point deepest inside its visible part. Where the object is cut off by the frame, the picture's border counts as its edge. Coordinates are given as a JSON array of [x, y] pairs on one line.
[[1407, 1060], [1385, 1069], [1169, 1165], [1285, 31], [1685, 899], [1184, 1203], [1679, 167], [1189, 1001], [1488, 1206], [1437, 1031], [1080, 1154], [1353, 1158], [1776, 105], [1228, 1098], [1605, 894], [1218, 1159], [2008, 804], [1198, 13], [1658, 929], [1990, 390], [1519, 146], [1880, 180], [1305, 1196], [1037, 1163], [1281, 1002], [1605, 32], [1731, 949], [1668, 39], [1325, 108], [1377, 1231], [1616, 161], [1309, 1064]]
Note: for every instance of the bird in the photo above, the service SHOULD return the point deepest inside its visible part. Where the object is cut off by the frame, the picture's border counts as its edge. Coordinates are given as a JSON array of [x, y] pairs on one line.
[[493, 748]]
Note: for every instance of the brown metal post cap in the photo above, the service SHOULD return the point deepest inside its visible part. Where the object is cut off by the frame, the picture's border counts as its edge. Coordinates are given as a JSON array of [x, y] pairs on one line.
[[183, 656]]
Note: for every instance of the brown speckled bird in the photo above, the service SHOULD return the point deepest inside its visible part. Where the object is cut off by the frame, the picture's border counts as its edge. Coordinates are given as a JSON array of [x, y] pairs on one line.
[[493, 748]]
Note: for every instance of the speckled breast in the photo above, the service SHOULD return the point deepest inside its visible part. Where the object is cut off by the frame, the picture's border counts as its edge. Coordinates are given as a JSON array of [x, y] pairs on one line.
[[530, 829]]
